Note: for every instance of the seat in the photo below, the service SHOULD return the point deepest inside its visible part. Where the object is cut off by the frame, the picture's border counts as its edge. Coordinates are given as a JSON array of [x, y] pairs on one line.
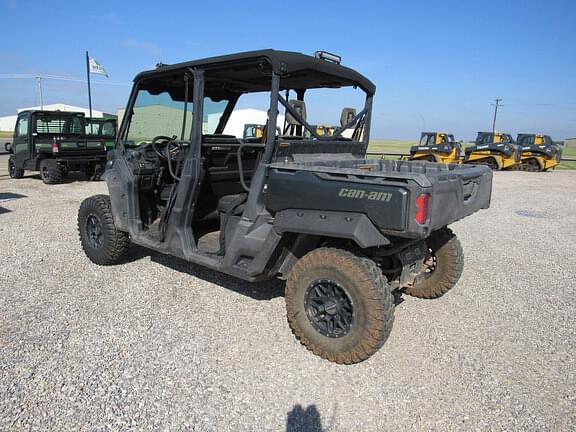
[[228, 206], [348, 114], [293, 125], [232, 204]]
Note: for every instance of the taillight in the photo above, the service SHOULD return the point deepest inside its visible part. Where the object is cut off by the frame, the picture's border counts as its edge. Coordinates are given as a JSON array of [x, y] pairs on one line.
[[55, 146], [422, 202]]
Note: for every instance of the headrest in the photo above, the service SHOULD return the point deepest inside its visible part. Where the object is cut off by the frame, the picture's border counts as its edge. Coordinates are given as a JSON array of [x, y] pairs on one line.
[[300, 107], [347, 116]]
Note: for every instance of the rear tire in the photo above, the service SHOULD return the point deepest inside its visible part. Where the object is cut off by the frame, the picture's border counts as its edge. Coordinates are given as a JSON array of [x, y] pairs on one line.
[[531, 165], [101, 241], [15, 173], [491, 162], [339, 305], [64, 170], [50, 171], [94, 172], [443, 267]]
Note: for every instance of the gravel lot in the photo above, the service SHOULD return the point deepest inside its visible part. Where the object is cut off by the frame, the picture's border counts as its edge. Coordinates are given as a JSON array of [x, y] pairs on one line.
[[159, 344]]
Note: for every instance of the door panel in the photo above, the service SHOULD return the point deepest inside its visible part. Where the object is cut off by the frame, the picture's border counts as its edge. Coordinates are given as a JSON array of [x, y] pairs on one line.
[[21, 143]]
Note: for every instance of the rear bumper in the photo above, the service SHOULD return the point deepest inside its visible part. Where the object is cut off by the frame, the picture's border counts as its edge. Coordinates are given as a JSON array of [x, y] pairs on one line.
[[81, 159]]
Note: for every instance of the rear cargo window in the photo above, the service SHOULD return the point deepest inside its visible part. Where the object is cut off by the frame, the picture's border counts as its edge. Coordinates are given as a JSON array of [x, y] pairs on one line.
[[59, 125]]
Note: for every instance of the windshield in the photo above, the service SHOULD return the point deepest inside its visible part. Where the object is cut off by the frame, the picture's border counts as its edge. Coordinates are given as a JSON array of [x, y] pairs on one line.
[[155, 115], [51, 124], [101, 128]]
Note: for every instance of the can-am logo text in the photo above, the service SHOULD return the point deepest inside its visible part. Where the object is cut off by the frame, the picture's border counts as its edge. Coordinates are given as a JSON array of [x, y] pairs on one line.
[[363, 194]]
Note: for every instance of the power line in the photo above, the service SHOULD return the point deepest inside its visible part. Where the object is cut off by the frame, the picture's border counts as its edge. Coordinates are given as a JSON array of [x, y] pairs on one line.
[[61, 78]]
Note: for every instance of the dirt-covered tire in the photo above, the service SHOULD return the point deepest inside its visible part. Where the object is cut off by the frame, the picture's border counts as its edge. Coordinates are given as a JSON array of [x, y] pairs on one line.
[[50, 171], [442, 268], [15, 173], [101, 241], [329, 285]]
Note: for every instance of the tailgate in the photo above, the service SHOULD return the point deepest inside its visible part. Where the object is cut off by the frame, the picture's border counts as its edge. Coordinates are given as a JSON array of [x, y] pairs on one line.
[[82, 147], [458, 193]]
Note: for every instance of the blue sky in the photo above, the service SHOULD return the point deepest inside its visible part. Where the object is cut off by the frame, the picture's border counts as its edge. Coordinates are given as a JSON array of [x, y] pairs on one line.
[[436, 64]]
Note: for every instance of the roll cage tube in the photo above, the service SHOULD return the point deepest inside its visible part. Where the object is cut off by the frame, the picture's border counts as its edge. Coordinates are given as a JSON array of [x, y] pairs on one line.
[[255, 199]]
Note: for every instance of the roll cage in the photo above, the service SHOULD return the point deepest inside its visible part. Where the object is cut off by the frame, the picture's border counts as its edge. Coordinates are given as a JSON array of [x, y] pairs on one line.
[[227, 78]]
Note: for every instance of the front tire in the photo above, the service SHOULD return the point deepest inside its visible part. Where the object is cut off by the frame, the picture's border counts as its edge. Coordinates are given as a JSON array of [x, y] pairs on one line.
[[339, 305], [15, 173], [50, 171], [101, 241], [442, 268]]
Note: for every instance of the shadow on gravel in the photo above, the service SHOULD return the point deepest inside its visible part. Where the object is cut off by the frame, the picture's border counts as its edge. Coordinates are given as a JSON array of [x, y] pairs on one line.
[[300, 420], [265, 290], [71, 177], [8, 196]]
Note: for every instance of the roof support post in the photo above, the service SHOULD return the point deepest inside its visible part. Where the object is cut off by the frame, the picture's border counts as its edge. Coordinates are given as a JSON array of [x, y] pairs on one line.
[[255, 203]]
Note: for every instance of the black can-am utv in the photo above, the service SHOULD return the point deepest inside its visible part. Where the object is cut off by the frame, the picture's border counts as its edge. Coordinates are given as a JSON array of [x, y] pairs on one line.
[[54, 143], [342, 229]]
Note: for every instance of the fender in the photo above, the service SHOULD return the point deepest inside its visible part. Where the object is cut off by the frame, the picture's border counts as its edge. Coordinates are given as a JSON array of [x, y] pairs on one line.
[[352, 226]]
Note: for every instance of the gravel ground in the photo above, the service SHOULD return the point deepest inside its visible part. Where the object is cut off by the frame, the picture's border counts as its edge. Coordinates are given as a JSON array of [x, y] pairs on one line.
[[158, 344]]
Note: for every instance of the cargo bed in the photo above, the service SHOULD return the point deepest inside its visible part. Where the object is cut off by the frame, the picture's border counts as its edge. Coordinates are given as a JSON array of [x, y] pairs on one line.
[[384, 190]]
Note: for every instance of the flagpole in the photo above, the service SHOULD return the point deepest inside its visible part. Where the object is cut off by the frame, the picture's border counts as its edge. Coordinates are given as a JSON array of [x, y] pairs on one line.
[[88, 79]]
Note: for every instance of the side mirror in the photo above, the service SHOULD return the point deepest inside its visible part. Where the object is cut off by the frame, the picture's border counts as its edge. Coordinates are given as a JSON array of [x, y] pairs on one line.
[[8, 147]]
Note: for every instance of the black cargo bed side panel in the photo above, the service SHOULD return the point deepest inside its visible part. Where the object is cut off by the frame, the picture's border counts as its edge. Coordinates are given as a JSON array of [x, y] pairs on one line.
[[386, 206], [457, 196]]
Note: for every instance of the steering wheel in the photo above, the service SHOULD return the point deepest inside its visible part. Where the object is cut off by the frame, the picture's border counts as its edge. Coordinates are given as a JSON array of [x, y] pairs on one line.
[[165, 140], [162, 138]]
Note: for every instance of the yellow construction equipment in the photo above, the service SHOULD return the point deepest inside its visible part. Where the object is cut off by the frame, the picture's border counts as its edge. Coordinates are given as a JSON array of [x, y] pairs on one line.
[[252, 130], [538, 152], [437, 147], [497, 150]]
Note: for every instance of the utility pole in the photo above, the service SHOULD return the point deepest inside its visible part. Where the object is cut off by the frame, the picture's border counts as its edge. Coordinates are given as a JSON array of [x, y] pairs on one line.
[[496, 105], [39, 81]]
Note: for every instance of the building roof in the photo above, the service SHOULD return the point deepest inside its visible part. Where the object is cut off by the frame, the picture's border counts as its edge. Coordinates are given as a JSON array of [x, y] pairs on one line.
[[62, 107]]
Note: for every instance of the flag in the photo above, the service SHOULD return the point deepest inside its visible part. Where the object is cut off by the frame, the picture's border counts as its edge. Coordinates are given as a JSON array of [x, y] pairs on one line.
[[96, 68]]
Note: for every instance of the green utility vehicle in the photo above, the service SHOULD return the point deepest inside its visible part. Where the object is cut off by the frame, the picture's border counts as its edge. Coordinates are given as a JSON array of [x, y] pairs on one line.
[[54, 143]]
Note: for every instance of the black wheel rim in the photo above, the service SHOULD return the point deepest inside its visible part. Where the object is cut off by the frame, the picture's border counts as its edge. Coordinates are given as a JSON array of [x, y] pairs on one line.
[[329, 308], [45, 174], [11, 168], [94, 231]]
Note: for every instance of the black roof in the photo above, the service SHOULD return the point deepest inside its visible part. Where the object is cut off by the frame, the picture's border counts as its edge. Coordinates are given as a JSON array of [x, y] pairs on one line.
[[296, 70], [53, 112]]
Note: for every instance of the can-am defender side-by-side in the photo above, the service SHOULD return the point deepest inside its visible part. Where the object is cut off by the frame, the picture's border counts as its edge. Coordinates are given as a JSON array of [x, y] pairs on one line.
[[437, 147], [345, 231], [497, 150], [538, 152], [54, 143]]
